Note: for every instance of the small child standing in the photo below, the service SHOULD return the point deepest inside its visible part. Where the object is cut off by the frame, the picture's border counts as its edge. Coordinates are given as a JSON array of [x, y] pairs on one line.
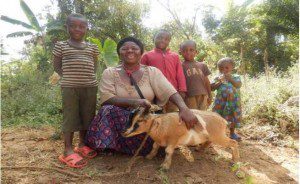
[[76, 61], [228, 102], [168, 63], [198, 94]]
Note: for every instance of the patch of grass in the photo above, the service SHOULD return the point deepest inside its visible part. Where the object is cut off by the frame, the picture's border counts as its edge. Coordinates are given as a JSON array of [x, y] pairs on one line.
[[249, 180], [163, 176]]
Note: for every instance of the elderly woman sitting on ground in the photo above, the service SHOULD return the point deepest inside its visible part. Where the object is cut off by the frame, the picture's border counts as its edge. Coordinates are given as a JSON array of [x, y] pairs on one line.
[[118, 96]]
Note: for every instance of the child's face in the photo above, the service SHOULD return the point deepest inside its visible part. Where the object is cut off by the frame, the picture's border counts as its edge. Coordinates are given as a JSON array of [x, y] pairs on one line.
[[226, 68], [77, 28], [188, 52], [162, 40]]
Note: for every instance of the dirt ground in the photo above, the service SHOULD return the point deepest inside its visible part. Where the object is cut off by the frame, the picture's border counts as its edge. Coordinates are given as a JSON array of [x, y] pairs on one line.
[[30, 155]]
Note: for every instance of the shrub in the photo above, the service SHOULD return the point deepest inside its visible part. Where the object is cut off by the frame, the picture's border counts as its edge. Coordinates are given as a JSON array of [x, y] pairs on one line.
[[27, 97], [261, 96]]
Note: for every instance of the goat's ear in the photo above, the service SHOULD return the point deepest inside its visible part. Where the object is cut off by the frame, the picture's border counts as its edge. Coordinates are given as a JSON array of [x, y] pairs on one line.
[[155, 108]]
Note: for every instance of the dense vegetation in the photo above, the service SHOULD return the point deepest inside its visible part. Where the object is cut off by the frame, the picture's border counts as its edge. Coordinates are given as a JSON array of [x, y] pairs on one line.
[[262, 41]]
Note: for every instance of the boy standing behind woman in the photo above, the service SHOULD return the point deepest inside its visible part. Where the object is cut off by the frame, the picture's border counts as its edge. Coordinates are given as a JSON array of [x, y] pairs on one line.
[[168, 63], [198, 94]]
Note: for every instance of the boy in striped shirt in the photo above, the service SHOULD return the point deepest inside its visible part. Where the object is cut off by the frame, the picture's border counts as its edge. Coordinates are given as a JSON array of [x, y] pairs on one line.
[[76, 61]]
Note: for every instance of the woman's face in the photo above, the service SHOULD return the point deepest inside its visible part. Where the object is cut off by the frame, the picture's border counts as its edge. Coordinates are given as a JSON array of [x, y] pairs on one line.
[[130, 53]]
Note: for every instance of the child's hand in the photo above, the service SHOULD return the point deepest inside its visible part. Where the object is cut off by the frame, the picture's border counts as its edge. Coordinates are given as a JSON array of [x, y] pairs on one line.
[[221, 78], [228, 77]]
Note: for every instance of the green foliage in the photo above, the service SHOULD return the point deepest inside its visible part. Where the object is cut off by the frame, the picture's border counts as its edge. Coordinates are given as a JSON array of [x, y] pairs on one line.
[[237, 166], [27, 98], [34, 24], [40, 57], [163, 176], [261, 96], [17, 22], [114, 19], [249, 180], [39, 41], [108, 54], [30, 16], [245, 32], [19, 34]]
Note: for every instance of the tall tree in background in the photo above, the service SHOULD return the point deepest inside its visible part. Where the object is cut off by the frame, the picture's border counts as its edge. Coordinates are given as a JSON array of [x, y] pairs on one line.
[[260, 36], [112, 19], [278, 26], [232, 31]]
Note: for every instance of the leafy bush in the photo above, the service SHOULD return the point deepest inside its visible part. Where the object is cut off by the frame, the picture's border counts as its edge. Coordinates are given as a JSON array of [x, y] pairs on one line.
[[262, 95], [27, 97]]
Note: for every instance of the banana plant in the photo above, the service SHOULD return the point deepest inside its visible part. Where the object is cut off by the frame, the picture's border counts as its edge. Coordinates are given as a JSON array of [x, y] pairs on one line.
[[35, 30], [33, 26], [108, 54]]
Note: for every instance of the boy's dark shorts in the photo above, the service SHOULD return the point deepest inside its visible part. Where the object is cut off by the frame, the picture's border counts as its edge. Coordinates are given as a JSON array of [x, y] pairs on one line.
[[79, 106]]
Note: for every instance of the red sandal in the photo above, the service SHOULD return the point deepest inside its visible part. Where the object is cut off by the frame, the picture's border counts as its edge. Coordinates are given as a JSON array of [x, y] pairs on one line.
[[85, 151], [72, 160]]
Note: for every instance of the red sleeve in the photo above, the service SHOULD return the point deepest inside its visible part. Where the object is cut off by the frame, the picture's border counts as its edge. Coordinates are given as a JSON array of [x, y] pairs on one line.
[[144, 60], [180, 76]]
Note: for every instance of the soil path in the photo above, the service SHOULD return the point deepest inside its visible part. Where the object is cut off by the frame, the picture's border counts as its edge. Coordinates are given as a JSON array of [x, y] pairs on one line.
[[23, 146]]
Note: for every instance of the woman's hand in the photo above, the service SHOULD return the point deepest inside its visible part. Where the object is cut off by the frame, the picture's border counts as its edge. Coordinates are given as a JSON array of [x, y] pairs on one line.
[[142, 103], [190, 119], [185, 114]]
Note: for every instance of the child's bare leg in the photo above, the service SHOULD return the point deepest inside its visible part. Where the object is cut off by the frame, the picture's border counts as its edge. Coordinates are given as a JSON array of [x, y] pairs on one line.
[[82, 134], [68, 138]]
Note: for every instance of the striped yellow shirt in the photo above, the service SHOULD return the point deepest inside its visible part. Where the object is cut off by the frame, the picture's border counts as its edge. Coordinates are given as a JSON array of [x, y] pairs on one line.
[[78, 69]]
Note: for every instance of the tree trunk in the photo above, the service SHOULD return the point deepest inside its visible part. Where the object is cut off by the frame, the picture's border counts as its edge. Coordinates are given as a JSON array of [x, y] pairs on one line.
[[243, 64], [266, 56]]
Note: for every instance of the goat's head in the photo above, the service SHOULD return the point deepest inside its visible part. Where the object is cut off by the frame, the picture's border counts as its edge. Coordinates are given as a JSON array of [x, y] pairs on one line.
[[139, 121]]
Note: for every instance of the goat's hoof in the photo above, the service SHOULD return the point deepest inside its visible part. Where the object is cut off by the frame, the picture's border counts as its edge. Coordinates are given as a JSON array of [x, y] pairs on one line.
[[165, 167]]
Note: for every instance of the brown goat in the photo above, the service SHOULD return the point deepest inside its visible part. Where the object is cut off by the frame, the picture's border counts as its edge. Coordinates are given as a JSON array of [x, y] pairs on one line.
[[166, 130]]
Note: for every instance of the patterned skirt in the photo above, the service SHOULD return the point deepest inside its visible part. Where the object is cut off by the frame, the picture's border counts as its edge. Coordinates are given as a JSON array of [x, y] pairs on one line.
[[105, 132]]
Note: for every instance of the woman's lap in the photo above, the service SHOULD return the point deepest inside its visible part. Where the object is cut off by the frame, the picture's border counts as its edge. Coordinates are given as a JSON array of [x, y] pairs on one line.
[[105, 132]]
